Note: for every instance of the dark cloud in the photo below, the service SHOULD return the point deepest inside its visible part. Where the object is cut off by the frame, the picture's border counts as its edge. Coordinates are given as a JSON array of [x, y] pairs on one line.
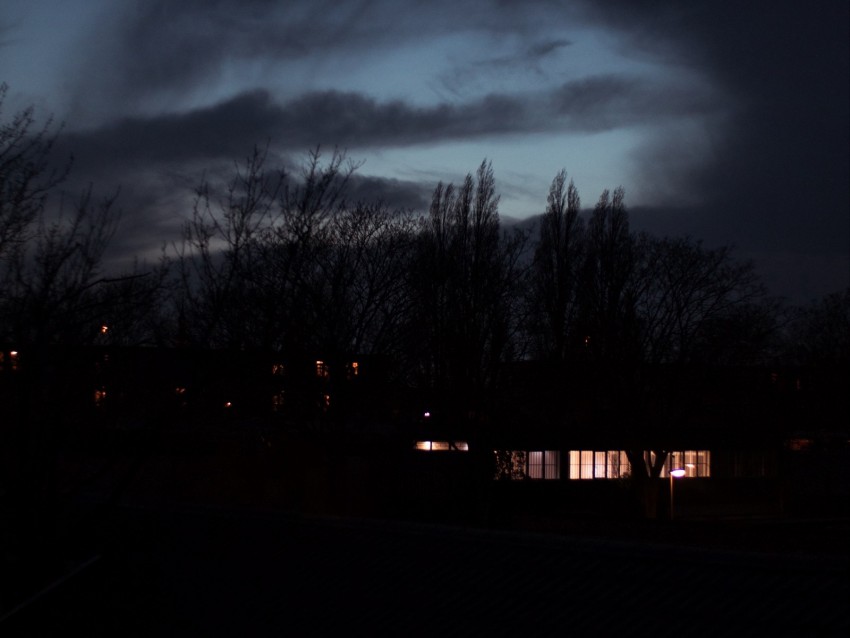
[[602, 103], [396, 194], [764, 165], [165, 50], [543, 49], [353, 120], [776, 180]]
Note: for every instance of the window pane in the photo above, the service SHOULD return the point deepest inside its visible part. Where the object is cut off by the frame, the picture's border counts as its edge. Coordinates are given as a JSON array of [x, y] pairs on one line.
[[599, 465], [586, 464], [613, 470], [575, 464], [703, 463], [552, 469], [535, 465]]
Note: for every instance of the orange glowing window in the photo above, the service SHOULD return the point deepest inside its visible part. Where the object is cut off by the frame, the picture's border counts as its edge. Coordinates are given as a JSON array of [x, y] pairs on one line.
[[322, 369], [441, 446]]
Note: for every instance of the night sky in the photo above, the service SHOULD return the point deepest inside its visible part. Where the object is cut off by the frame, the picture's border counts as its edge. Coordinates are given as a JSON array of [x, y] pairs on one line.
[[727, 121]]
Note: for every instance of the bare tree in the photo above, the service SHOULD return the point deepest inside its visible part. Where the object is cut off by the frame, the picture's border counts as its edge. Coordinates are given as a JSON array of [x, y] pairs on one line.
[[686, 291], [26, 174], [464, 286], [554, 289], [362, 264], [221, 255]]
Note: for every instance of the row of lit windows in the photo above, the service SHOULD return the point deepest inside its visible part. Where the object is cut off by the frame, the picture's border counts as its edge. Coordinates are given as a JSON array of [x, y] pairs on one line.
[[278, 399], [323, 370], [593, 464]]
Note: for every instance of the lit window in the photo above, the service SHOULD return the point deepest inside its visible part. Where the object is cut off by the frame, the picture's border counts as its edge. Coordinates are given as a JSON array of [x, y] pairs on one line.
[[441, 446], [544, 464], [618, 464], [521, 464], [696, 463], [598, 464], [510, 464], [99, 397], [322, 370]]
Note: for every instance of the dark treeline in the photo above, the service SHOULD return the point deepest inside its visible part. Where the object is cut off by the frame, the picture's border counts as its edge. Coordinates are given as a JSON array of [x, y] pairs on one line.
[[283, 261]]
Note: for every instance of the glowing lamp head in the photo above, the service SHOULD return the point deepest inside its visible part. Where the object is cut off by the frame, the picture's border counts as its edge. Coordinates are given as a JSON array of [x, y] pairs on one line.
[[677, 473]]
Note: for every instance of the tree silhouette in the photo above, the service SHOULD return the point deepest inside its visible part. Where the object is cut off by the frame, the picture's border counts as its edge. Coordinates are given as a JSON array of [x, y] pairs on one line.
[[554, 285], [464, 285]]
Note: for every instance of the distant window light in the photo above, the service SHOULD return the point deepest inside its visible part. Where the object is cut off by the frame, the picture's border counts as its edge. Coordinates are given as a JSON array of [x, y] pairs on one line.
[[13, 360], [180, 391], [278, 370], [799, 444], [441, 446], [228, 405], [278, 401], [99, 397], [322, 369], [353, 369], [104, 329]]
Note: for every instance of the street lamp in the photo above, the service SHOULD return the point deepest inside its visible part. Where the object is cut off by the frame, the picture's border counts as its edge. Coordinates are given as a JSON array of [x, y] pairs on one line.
[[677, 473]]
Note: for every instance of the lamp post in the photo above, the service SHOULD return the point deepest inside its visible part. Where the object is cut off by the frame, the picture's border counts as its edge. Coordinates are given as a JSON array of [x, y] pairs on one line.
[[677, 473]]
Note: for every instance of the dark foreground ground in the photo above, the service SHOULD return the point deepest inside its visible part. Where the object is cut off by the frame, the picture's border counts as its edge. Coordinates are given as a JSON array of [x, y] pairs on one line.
[[190, 544], [204, 571]]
